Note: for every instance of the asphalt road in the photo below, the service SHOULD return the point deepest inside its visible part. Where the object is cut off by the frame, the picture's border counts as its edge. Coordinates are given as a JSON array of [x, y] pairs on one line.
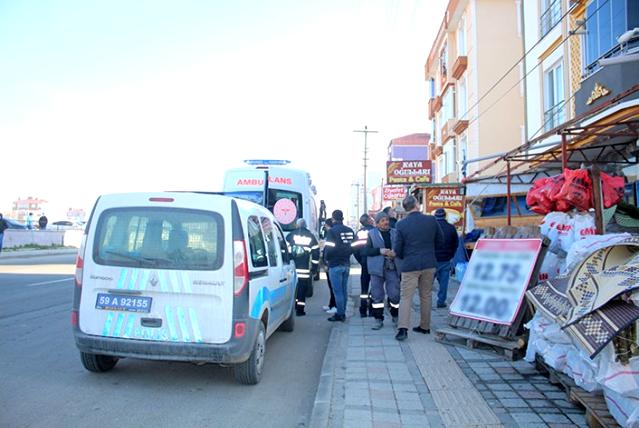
[[43, 383]]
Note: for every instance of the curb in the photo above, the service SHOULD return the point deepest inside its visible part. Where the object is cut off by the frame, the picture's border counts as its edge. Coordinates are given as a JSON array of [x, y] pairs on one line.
[[5, 255]]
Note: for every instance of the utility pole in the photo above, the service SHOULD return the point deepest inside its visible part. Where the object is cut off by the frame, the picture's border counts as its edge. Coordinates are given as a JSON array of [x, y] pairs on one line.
[[366, 132], [356, 185]]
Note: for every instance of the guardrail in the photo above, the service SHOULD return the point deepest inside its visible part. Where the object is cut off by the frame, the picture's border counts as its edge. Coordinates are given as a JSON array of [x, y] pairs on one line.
[[21, 237]]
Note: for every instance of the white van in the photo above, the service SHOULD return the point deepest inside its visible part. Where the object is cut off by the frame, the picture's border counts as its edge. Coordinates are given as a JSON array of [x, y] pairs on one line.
[[287, 192], [184, 277]]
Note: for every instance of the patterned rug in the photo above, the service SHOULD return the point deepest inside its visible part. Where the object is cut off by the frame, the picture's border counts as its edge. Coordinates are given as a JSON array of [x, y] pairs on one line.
[[549, 298], [601, 277], [595, 330]]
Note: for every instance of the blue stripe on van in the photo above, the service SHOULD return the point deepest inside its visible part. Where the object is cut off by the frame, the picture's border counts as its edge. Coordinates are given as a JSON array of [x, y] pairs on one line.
[[170, 322], [118, 325], [186, 336], [123, 273], [265, 295], [162, 280], [186, 282], [134, 278], [174, 281], [196, 325], [107, 324], [129, 325]]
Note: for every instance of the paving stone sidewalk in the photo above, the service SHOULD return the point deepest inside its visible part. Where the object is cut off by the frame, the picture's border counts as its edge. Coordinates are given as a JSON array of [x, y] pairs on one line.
[[369, 379]]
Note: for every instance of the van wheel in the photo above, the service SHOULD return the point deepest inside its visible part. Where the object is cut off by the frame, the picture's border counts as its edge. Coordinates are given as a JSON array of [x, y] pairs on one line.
[[289, 323], [250, 371], [309, 287], [98, 363]]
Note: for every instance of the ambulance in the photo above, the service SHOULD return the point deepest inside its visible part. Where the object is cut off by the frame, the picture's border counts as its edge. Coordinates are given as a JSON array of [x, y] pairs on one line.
[[287, 192]]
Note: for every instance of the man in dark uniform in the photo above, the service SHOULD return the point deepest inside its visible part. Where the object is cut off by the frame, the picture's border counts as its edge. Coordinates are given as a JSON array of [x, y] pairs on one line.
[[358, 245], [444, 255], [338, 254], [305, 250]]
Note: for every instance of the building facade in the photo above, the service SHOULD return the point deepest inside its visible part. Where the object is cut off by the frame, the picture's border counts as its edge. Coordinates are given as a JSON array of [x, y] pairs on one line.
[[473, 116]]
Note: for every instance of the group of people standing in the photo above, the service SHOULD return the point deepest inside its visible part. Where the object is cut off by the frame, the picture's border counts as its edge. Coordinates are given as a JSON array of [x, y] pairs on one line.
[[397, 258]]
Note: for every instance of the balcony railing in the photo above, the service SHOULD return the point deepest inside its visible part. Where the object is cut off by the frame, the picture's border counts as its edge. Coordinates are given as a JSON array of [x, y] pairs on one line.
[[460, 66], [550, 17], [554, 116]]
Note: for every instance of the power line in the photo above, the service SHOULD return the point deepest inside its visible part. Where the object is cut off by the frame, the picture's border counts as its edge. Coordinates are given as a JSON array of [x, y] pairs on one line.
[[536, 66], [516, 64]]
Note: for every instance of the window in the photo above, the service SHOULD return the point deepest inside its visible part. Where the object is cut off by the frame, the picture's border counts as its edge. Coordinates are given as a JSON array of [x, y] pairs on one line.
[[275, 195], [256, 243], [283, 247], [461, 38], [160, 238], [271, 245], [550, 15], [443, 61], [607, 20], [450, 157], [553, 97], [448, 105], [462, 99]]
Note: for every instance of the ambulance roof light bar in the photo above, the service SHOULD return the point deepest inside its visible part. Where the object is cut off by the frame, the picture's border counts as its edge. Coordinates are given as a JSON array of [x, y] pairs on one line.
[[255, 162]]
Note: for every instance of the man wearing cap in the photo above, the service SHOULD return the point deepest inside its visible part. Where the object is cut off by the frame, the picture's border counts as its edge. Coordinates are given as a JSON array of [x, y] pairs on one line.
[[338, 252], [359, 244], [381, 265], [444, 255], [417, 237]]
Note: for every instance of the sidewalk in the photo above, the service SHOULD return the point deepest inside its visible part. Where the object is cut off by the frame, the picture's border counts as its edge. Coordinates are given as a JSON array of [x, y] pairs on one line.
[[18, 254], [369, 379]]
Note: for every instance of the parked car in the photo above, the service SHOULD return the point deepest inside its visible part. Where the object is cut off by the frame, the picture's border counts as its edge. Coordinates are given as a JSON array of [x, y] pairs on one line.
[[63, 225], [182, 277]]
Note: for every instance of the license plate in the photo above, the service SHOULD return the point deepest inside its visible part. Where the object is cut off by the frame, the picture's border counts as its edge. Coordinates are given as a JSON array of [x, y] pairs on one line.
[[118, 302]]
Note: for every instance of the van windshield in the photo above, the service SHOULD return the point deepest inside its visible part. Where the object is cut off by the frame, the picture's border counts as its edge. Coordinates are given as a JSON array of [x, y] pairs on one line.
[[285, 213], [160, 238]]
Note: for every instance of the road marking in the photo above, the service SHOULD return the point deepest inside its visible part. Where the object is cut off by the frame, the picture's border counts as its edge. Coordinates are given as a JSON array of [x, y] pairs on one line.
[[50, 282]]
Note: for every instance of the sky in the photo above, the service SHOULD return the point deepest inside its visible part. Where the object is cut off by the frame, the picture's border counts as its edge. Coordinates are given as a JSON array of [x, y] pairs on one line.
[[118, 96]]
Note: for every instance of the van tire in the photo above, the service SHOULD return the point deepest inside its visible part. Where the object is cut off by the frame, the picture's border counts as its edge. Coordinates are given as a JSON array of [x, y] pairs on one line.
[[309, 286], [98, 363], [289, 323], [250, 371]]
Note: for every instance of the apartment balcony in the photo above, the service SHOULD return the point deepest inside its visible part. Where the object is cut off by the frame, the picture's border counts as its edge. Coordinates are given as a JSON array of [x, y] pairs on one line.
[[434, 104], [459, 67], [460, 126], [437, 151], [447, 130]]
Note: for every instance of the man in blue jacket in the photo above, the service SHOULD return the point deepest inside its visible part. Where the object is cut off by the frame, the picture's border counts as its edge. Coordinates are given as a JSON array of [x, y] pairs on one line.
[[444, 255], [417, 237], [338, 252]]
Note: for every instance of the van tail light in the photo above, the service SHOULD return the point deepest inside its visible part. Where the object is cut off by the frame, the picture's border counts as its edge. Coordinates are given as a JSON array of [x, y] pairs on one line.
[[240, 329], [240, 267], [75, 318], [79, 270]]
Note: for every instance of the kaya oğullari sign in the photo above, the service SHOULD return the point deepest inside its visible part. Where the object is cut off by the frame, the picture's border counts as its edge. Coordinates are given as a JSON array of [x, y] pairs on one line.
[[408, 172], [448, 198]]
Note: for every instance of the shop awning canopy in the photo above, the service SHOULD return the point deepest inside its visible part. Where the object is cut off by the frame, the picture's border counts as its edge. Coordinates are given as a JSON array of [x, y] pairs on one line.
[[605, 134]]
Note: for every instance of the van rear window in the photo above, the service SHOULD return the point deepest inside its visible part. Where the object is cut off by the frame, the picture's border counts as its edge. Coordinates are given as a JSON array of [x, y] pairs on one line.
[[161, 238]]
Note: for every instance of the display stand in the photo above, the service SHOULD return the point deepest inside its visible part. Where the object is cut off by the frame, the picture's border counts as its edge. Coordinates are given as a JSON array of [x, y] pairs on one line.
[[507, 340]]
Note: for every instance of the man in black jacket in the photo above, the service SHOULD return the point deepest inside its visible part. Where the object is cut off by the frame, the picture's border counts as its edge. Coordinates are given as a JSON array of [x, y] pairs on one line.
[[359, 244], [338, 252], [444, 255], [417, 237]]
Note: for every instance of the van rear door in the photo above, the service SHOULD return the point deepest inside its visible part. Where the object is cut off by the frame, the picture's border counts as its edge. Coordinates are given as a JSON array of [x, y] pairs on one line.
[[160, 271]]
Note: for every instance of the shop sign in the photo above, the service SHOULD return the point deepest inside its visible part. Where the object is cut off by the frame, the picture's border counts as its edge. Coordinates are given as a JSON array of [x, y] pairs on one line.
[[408, 172], [450, 199], [496, 279], [598, 91], [394, 193]]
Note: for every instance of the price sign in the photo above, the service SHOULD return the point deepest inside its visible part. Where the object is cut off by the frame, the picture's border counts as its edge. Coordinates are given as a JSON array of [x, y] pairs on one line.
[[495, 281]]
